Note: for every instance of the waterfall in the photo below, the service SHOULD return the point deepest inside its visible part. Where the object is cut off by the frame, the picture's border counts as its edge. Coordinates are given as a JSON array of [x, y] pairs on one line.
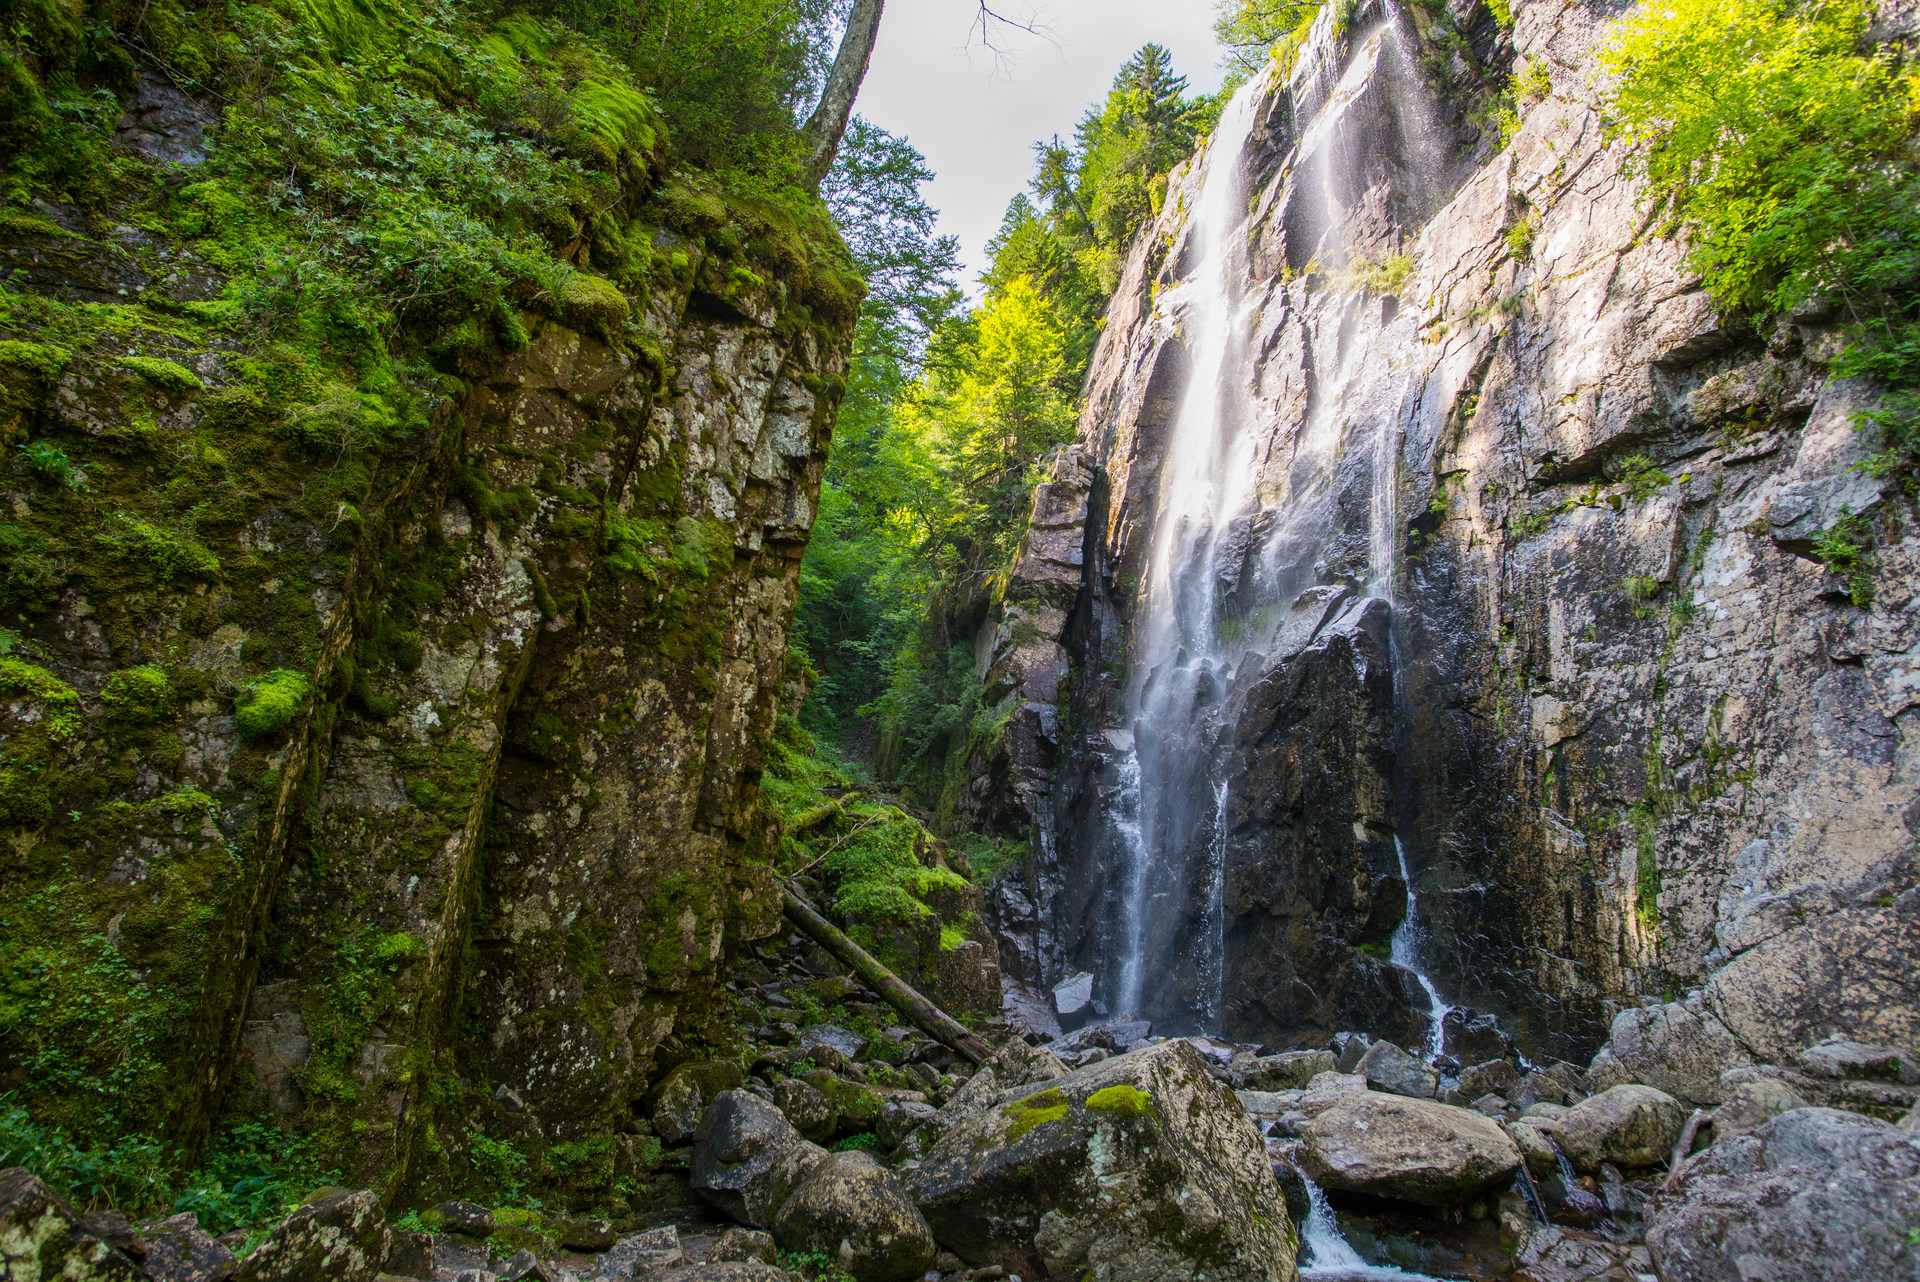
[[1181, 661], [1256, 510], [1408, 940], [1327, 1256]]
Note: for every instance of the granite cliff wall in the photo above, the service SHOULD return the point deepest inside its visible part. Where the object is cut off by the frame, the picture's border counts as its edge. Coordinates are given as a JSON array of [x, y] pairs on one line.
[[1631, 735]]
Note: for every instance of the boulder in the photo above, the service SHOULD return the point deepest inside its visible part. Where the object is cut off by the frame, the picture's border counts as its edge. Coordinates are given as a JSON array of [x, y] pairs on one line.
[[1407, 1150], [179, 1250], [744, 1244], [1388, 1068], [724, 1271], [1495, 1077], [856, 1108], [41, 1237], [1752, 1104], [1347, 1048], [1073, 1000], [811, 1112], [1288, 1072], [1679, 1048], [748, 1159], [1538, 1088], [682, 1096], [1815, 1194], [1840, 1058], [900, 1118], [339, 1235], [1140, 1168], [1627, 1125], [1549, 1254], [470, 1218], [1541, 1156], [1014, 1065], [851, 1199], [1328, 1089], [843, 1040], [638, 1254]]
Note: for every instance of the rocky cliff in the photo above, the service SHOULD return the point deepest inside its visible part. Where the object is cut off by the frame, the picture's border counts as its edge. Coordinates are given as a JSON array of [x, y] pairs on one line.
[[1557, 642], [382, 725]]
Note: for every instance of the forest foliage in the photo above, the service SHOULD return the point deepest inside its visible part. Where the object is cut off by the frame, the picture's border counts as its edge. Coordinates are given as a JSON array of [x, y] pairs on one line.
[[953, 406], [1785, 143]]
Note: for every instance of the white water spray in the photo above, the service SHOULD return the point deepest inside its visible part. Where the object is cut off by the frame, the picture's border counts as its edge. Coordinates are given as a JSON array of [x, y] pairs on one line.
[[1408, 940], [1180, 661]]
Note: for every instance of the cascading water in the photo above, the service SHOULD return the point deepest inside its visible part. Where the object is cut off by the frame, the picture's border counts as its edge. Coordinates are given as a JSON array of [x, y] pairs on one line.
[[1408, 939], [1239, 536], [1182, 661], [1327, 1256]]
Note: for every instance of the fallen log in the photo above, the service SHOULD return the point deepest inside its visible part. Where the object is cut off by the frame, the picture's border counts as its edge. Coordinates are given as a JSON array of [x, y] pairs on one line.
[[821, 813], [935, 1022]]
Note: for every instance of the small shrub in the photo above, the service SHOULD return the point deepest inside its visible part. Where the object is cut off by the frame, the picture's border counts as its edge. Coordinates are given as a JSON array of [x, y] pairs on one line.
[[271, 702], [501, 1164], [52, 462], [1847, 550]]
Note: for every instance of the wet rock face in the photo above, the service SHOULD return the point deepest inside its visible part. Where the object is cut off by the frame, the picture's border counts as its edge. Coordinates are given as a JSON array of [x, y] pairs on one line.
[[1631, 736], [1815, 1193], [1140, 1167]]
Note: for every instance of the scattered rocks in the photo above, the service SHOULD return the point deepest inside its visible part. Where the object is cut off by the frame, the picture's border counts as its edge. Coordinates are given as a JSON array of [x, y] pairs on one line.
[[1813, 1194], [339, 1235], [1494, 1077], [850, 1198], [1388, 1068], [748, 1159], [657, 1248], [1628, 1125], [848, 1043], [1408, 1150], [1138, 1166], [724, 1271]]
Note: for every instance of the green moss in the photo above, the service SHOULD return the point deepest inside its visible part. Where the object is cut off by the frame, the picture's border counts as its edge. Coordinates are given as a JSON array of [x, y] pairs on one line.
[[592, 301], [139, 696], [1122, 1101], [42, 361], [168, 554], [271, 702], [170, 375], [1036, 1110]]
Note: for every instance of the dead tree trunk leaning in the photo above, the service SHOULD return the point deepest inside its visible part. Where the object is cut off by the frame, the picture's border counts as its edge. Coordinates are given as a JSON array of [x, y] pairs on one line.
[[829, 119], [934, 1021]]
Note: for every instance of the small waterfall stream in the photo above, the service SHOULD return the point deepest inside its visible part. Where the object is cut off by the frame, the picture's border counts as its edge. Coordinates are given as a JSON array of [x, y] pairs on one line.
[[1408, 939]]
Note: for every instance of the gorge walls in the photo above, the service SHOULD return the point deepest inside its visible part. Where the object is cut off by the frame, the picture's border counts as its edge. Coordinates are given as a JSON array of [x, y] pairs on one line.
[[395, 782], [1520, 594]]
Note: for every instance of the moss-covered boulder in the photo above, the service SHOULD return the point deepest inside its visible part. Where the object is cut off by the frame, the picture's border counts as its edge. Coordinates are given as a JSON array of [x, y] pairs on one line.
[[850, 1198], [1140, 1167]]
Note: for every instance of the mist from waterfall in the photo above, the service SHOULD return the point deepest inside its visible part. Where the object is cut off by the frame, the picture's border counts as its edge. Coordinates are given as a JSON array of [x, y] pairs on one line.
[[1237, 540]]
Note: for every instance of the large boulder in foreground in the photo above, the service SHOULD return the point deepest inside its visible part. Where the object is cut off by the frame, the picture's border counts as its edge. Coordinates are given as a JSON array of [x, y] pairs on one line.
[[850, 1198], [1815, 1195], [1627, 1125], [1407, 1150], [338, 1235], [41, 1237], [1140, 1168], [748, 1159]]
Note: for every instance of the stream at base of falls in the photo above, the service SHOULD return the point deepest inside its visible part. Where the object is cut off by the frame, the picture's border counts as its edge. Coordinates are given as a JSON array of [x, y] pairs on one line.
[[1327, 1256]]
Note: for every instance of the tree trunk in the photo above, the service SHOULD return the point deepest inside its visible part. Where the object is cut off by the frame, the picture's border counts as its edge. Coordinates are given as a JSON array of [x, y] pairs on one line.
[[829, 119], [939, 1025]]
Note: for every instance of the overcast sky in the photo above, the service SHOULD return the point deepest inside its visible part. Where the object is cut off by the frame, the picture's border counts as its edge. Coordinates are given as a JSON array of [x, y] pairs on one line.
[[976, 117]]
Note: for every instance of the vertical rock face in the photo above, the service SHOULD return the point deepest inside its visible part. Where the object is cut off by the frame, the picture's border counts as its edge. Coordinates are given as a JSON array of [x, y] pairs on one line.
[[1558, 632], [434, 811]]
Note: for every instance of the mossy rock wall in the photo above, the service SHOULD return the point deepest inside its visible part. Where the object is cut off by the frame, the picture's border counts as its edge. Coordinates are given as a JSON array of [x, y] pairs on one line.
[[381, 749]]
